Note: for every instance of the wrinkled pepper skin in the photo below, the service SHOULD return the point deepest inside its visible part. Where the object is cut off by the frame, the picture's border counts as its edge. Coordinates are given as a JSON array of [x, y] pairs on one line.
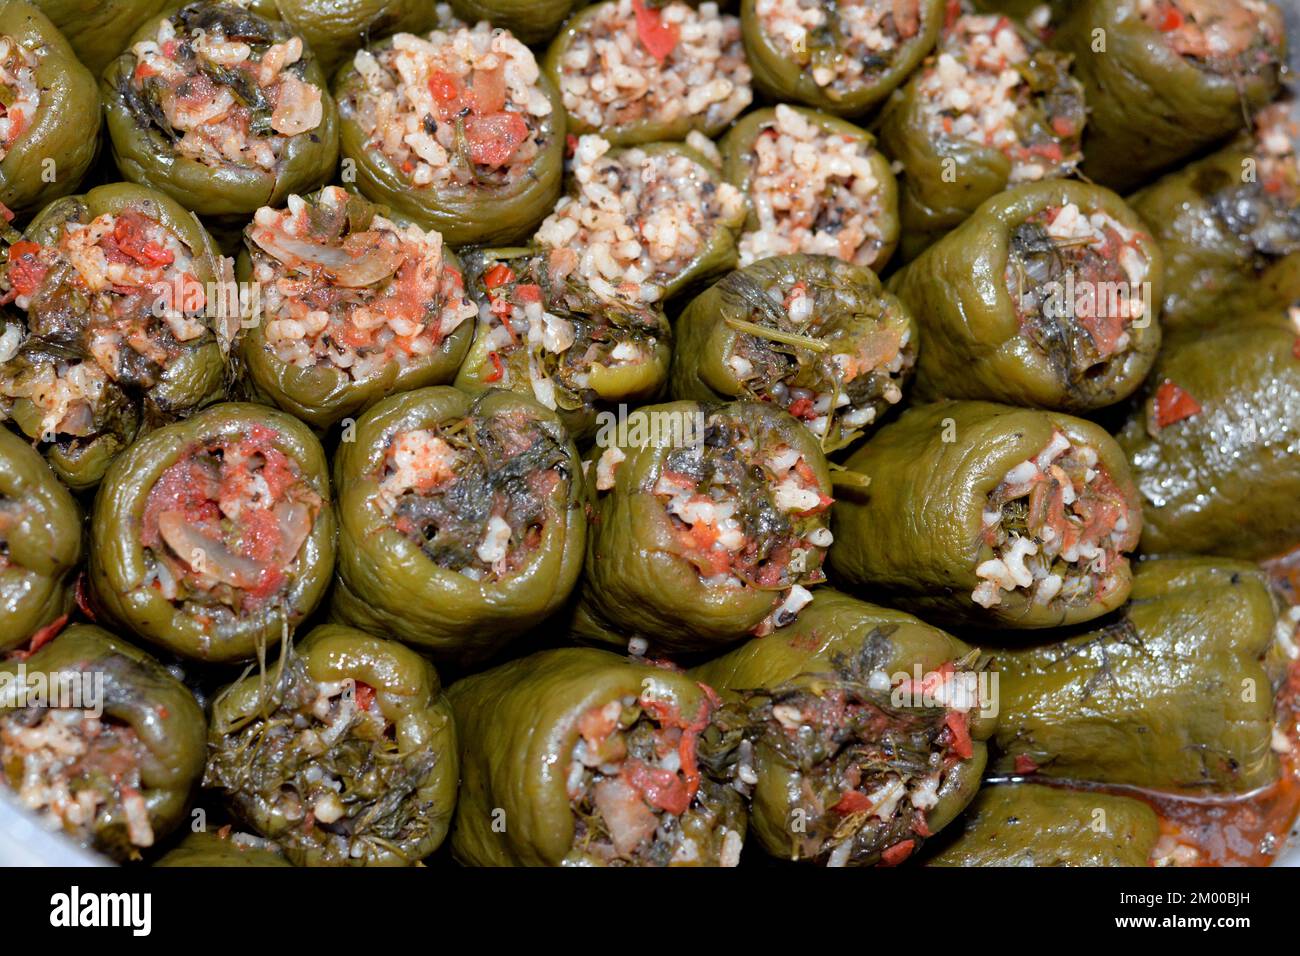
[[518, 724], [1026, 824], [915, 532], [971, 342], [783, 79], [98, 30], [388, 584], [532, 21], [193, 380], [1225, 479], [409, 695], [142, 694], [462, 214], [228, 196], [42, 543], [205, 848], [807, 655], [1148, 108], [637, 583], [65, 129], [737, 148], [1172, 696], [336, 29], [118, 567]]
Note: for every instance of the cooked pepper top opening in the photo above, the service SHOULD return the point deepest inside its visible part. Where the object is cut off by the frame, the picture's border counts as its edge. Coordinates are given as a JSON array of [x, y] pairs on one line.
[[1079, 281], [841, 44], [20, 96], [1229, 37], [868, 771], [1265, 211], [344, 287], [475, 494], [991, 86], [812, 191], [110, 306], [820, 348], [553, 329], [1058, 527], [638, 219], [80, 773], [639, 794], [223, 526], [461, 107], [218, 84], [631, 61]]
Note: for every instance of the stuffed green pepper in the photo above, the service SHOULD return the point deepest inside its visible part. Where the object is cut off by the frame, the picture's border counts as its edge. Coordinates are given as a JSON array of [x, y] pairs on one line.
[[568, 337], [221, 109], [49, 111], [710, 525], [841, 56], [40, 544], [121, 326], [214, 537], [992, 108], [1213, 445], [1164, 79], [98, 30], [815, 184], [533, 21], [641, 71], [224, 849], [1047, 296], [655, 215], [1027, 824], [990, 515], [1223, 220], [336, 29], [813, 335], [457, 130], [1170, 696], [462, 520], [352, 306], [100, 741], [864, 735], [579, 757], [343, 753]]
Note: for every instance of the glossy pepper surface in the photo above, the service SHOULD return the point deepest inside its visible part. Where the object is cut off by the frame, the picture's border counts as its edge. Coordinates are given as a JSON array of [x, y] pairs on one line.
[[560, 765], [425, 490], [99, 31], [40, 543], [206, 848], [134, 738], [533, 21], [1171, 696], [336, 29], [349, 708], [855, 764], [214, 537]]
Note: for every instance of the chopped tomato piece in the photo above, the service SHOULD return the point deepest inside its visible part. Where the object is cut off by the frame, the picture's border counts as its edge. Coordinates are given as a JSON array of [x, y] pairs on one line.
[[851, 801], [487, 92], [365, 695], [657, 37], [897, 853], [444, 87], [1026, 764], [129, 233], [494, 139], [6, 212], [1173, 404], [528, 293], [1173, 19], [498, 370], [662, 789], [958, 725], [25, 270], [498, 275]]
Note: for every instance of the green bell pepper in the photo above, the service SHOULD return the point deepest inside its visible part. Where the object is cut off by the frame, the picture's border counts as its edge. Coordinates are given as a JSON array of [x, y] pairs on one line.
[[98, 30], [533, 21], [137, 734], [1156, 93], [61, 137], [143, 350], [1016, 307], [336, 29], [1213, 445], [205, 848], [577, 756], [685, 576], [739, 160], [810, 334], [813, 71], [202, 177], [214, 537], [493, 205], [345, 755], [40, 543], [424, 488], [414, 274], [966, 517], [1032, 825], [947, 175], [580, 380], [855, 764], [1172, 696]]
